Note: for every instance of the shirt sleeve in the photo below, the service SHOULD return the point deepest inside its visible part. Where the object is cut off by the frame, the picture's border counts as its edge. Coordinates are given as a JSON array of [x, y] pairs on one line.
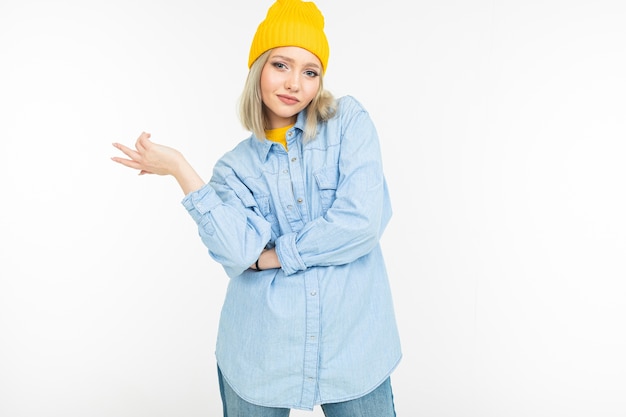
[[355, 221], [229, 221]]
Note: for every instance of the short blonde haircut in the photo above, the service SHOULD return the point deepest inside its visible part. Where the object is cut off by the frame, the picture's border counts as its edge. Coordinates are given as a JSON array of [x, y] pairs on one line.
[[252, 112]]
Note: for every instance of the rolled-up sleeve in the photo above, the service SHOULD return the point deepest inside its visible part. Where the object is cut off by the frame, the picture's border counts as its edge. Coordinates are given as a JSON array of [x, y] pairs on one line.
[[200, 202], [229, 225]]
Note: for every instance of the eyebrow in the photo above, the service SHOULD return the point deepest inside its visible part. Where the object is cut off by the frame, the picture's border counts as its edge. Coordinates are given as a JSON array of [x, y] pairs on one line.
[[291, 60]]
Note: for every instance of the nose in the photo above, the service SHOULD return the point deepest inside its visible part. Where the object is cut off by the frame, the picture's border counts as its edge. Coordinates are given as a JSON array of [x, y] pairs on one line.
[[292, 83]]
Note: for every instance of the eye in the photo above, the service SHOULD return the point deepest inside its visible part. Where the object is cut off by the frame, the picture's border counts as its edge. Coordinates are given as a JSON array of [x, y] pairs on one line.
[[311, 73], [279, 65]]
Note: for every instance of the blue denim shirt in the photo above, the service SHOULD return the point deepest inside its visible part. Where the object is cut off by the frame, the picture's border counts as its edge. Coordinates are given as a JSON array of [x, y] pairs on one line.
[[320, 329]]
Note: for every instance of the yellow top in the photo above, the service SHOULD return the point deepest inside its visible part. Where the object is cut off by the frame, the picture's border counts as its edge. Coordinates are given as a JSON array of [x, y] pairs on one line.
[[278, 135]]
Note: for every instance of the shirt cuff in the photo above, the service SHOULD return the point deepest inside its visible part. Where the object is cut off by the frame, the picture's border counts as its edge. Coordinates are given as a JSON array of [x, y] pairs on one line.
[[201, 201], [287, 252]]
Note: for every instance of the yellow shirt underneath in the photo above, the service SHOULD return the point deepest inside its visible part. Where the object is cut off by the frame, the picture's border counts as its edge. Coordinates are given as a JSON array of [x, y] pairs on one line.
[[278, 135]]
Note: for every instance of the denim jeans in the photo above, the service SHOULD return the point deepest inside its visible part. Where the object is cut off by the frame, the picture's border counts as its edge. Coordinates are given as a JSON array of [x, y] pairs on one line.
[[378, 403]]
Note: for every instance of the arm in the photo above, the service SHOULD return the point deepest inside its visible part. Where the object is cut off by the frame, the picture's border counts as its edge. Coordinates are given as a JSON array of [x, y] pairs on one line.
[[352, 226], [229, 223]]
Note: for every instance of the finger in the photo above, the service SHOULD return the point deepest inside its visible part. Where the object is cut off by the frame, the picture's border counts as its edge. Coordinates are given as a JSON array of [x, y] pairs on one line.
[[143, 141], [127, 162], [132, 154], [121, 147]]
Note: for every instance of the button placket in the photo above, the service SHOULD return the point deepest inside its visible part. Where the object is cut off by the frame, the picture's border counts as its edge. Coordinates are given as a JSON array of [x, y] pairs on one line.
[[311, 349], [297, 181]]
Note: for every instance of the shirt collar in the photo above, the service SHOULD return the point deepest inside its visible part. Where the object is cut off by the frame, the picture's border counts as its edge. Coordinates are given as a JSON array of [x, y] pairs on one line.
[[263, 147]]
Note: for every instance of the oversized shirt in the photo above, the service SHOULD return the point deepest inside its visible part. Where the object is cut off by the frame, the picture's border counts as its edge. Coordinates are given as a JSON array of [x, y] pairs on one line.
[[321, 328]]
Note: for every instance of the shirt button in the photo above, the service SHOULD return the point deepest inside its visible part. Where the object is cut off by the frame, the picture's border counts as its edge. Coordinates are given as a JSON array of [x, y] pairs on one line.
[[290, 134], [300, 200], [290, 207], [294, 159], [313, 293], [285, 171]]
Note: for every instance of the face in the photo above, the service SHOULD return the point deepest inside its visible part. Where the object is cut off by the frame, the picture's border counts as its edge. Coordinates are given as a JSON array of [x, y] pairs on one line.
[[290, 79]]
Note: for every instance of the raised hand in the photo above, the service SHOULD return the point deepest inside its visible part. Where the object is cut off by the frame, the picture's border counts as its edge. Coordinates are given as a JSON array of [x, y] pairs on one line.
[[151, 158]]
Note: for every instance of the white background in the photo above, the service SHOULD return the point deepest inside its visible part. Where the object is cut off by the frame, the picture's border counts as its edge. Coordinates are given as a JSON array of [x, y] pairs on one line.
[[502, 125]]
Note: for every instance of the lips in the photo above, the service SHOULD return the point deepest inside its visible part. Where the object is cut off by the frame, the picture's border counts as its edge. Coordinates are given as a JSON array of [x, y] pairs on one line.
[[288, 99]]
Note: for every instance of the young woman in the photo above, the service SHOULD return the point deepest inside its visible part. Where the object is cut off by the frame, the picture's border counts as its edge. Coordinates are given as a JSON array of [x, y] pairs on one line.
[[294, 214]]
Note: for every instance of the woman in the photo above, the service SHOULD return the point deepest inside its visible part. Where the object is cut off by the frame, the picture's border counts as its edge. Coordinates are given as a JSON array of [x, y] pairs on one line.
[[294, 214]]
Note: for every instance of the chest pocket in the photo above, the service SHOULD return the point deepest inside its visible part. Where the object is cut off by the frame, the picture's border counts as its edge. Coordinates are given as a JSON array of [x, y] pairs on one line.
[[327, 179]]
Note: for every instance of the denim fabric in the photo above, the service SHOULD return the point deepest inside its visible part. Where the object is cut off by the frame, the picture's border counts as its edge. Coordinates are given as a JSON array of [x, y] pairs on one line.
[[378, 403], [321, 329]]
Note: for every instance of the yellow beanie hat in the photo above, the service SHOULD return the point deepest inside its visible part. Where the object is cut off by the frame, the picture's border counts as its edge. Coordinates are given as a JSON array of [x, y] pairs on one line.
[[291, 23]]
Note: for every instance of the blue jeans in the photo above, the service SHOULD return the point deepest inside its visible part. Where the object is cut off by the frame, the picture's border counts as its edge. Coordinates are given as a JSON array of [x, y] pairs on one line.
[[378, 403]]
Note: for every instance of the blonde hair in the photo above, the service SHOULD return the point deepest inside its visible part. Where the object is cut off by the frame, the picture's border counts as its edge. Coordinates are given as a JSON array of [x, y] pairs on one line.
[[252, 113]]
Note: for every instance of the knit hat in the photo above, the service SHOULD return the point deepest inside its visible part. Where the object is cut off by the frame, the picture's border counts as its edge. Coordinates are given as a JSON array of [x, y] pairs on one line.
[[291, 23]]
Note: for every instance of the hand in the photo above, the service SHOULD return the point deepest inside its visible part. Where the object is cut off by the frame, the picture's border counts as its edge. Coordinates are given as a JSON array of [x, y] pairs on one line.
[[268, 259], [149, 157]]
